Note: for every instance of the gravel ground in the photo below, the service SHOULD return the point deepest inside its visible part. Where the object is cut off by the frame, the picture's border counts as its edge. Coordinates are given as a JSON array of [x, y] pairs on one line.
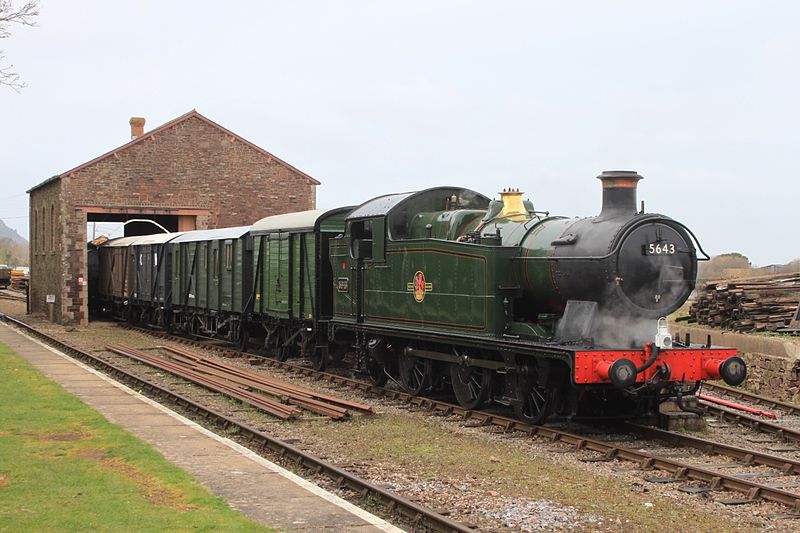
[[497, 482]]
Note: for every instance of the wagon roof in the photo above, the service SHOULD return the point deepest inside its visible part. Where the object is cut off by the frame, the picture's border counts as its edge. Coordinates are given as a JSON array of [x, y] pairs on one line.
[[122, 241], [158, 238], [302, 220], [212, 234]]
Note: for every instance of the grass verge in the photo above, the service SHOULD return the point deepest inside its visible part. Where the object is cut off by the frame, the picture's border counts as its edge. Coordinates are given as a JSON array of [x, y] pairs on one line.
[[63, 467]]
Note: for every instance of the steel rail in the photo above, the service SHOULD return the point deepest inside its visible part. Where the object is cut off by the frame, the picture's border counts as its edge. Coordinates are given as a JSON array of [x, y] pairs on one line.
[[748, 457], [679, 470], [417, 514], [781, 432], [792, 409]]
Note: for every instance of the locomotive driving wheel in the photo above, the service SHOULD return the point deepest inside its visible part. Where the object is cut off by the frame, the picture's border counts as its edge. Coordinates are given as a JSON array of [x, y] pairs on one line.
[[535, 403], [415, 373], [376, 371], [534, 399], [375, 359], [471, 385]]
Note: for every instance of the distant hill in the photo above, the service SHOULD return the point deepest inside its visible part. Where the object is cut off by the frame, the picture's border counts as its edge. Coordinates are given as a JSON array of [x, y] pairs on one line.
[[8, 233], [737, 266], [13, 248]]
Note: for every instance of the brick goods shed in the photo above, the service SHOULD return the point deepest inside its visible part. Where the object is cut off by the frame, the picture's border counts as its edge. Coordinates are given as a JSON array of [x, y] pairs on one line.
[[190, 173]]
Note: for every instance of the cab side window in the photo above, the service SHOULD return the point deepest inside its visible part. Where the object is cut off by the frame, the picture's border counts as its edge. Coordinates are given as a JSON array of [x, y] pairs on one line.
[[361, 239]]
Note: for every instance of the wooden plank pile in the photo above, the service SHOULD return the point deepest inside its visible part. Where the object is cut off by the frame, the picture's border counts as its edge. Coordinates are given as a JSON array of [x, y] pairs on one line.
[[748, 305]]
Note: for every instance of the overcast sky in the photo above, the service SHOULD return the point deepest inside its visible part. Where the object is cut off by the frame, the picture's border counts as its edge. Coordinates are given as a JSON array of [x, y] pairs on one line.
[[370, 97]]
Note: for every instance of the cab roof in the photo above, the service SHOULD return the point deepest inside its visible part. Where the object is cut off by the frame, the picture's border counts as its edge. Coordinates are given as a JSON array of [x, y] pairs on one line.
[[433, 199]]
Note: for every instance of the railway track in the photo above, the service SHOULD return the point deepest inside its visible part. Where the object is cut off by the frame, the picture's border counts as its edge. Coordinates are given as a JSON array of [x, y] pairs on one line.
[[13, 295], [702, 478], [755, 399], [776, 429], [412, 512], [698, 478]]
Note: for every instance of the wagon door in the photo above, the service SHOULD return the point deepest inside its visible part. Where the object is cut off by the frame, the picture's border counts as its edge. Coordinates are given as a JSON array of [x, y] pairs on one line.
[[215, 275], [278, 283], [226, 275]]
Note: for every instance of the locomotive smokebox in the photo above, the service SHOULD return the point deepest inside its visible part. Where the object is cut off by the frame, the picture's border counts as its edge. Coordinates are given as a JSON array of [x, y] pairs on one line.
[[619, 193], [632, 264]]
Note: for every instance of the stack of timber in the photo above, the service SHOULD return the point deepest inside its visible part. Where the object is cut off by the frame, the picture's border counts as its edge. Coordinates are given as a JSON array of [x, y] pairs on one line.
[[747, 305], [20, 279], [278, 398]]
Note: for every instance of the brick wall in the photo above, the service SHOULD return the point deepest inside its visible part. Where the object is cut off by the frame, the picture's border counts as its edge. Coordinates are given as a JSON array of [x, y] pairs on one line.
[[46, 247], [191, 165]]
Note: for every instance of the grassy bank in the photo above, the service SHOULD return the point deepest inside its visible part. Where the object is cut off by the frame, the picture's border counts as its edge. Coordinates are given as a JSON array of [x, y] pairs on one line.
[[63, 467]]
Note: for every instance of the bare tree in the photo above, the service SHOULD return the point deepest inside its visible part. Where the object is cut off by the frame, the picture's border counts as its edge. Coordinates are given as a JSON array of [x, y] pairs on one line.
[[9, 15]]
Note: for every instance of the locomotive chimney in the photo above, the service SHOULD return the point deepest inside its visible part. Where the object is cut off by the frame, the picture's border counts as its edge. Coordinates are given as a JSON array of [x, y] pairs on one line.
[[619, 192], [137, 127]]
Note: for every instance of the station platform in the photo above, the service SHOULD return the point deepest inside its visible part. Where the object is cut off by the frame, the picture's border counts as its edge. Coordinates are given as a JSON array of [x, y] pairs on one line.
[[265, 492]]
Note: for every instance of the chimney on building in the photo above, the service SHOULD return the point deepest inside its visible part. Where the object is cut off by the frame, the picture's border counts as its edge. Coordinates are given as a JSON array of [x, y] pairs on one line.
[[137, 127]]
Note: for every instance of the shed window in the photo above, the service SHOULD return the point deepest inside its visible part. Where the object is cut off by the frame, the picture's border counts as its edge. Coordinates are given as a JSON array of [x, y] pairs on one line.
[[43, 228], [52, 227]]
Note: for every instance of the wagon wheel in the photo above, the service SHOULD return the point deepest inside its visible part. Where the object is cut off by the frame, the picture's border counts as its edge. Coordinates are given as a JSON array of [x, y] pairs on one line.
[[284, 351], [319, 357], [337, 352], [471, 385], [414, 373], [243, 339], [535, 401], [192, 328]]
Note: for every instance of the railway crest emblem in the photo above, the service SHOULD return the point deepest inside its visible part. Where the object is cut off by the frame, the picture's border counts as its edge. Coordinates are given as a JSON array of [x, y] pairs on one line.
[[419, 286]]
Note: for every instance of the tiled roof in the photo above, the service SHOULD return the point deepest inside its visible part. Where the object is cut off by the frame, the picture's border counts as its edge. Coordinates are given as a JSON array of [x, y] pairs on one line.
[[171, 123]]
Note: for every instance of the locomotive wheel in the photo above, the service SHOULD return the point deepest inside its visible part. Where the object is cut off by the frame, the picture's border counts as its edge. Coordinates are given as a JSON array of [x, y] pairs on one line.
[[471, 385], [535, 402], [414, 373], [376, 371]]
